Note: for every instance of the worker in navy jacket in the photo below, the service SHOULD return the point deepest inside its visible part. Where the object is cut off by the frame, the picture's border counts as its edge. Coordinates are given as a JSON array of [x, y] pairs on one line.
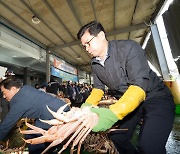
[[121, 65], [26, 101]]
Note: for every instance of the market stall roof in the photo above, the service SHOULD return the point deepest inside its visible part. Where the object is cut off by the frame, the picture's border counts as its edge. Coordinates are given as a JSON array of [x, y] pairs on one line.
[[60, 20]]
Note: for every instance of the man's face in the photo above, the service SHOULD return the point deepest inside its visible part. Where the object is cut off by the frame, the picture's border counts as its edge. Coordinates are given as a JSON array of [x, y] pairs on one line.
[[92, 44], [8, 94]]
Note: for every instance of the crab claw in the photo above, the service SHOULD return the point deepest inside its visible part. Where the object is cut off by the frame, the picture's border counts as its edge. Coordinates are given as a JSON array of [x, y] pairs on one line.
[[28, 131], [38, 140], [52, 122], [61, 109], [27, 141], [57, 116], [37, 129]]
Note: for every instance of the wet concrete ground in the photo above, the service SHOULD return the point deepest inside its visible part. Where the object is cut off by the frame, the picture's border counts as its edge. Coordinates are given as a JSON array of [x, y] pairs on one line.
[[173, 143]]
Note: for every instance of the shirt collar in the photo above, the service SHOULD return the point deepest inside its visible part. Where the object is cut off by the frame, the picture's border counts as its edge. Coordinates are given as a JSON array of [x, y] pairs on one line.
[[101, 61]]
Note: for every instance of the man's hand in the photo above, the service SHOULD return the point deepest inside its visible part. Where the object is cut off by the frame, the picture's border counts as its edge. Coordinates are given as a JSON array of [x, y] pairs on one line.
[[106, 119], [2, 144]]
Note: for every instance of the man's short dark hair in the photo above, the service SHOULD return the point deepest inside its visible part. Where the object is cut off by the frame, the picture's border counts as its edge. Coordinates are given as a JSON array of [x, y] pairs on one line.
[[10, 82], [93, 28]]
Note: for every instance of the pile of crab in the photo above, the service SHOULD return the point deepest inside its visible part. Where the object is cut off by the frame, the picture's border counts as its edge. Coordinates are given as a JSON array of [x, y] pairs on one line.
[[73, 126], [13, 142], [7, 150]]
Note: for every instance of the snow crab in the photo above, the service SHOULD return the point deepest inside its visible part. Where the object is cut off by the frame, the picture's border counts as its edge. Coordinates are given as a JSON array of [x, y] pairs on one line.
[[74, 125]]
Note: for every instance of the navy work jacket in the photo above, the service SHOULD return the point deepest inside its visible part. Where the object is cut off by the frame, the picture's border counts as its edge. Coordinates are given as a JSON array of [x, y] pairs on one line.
[[126, 65], [31, 103]]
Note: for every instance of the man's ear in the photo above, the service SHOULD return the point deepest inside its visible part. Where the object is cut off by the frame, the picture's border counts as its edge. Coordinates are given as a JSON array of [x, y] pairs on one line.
[[102, 35], [13, 88]]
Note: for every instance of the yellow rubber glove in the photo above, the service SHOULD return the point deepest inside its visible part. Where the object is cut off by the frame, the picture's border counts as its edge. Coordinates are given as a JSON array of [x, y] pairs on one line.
[[130, 100], [95, 97]]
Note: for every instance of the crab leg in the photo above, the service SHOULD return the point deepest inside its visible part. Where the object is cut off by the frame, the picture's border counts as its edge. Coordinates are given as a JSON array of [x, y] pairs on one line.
[[72, 137], [85, 132], [37, 140], [63, 129], [52, 122], [28, 131], [54, 143], [45, 138], [59, 136], [40, 130], [73, 127], [76, 140], [82, 139], [53, 130]]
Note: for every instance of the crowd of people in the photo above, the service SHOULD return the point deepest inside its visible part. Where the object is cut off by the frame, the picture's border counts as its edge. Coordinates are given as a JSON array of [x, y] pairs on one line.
[[77, 93]]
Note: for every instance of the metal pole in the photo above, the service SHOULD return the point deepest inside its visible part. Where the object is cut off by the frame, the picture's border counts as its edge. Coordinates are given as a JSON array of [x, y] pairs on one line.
[[90, 78], [160, 52], [48, 74], [25, 75]]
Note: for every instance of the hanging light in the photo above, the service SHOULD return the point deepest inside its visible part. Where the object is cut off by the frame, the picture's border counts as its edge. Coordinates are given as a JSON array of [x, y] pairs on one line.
[[78, 57], [35, 20]]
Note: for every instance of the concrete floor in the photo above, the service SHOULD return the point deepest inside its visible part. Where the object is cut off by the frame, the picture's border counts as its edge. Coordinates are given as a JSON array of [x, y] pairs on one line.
[[173, 143]]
